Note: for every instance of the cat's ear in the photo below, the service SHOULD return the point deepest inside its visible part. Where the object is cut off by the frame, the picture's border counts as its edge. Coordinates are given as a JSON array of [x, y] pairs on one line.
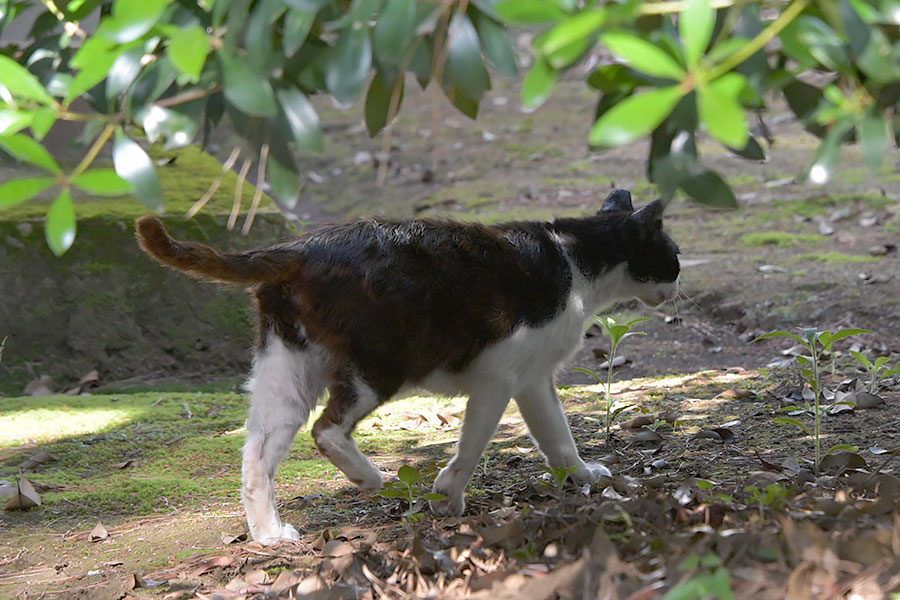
[[617, 201], [650, 216]]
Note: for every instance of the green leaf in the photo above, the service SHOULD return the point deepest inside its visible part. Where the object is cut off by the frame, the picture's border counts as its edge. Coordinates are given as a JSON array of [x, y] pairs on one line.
[[635, 117], [487, 7], [296, 27], [393, 493], [187, 49], [20, 82], [538, 84], [307, 5], [13, 121], [612, 78], [773, 334], [93, 60], [176, 128], [60, 227], [345, 74], [872, 133], [642, 55], [302, 118], [824, 163], [844, 333], [43, 120], [245, 88], [841, 447], [16, 191], [879, 362], [751, 151], [433, 496], [823, 43], [134, 166], [708, 188], [131, 19], [123, 72], [464, 62], [408, 475], [721, 112], [528, 12], [877, 60], [394, 32], [695, 26], [25, 149], [378, 101], [283, 178], [496, 46], [574, 29], [596, 376], [102, 182], [792, 421]]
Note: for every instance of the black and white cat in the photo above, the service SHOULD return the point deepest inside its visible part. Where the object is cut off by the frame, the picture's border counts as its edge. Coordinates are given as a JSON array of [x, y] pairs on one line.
[[372, 307]]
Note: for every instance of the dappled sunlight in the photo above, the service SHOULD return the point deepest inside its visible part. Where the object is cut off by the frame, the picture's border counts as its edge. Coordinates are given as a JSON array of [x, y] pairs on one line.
[[50, 418]]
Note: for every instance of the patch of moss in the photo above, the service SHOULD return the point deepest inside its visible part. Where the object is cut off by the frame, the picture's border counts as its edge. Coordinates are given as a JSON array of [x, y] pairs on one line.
[[183, 182], [779, 238], [741, 180], [837, 257]]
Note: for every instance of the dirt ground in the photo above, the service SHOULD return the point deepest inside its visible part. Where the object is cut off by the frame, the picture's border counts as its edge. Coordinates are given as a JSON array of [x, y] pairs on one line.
[[792, 256]]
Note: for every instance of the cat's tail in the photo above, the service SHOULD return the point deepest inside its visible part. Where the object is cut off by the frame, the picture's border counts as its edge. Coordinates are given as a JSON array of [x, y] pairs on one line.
[[204, 262]]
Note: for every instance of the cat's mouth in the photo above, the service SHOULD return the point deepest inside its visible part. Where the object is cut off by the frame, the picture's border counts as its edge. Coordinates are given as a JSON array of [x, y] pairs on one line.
[[653, 301], [661, 294]]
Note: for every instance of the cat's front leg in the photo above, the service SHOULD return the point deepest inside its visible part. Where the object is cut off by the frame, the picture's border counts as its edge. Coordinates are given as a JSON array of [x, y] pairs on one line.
[[546, 420], [483, 412]]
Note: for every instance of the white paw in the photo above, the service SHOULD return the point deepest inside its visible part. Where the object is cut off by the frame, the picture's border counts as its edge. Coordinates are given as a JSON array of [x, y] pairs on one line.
[[587, 474], [373, 481], [446, 484], [286, 534]]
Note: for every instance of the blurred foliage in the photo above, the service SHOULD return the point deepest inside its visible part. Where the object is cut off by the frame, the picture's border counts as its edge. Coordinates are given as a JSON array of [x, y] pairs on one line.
[[167, 71]]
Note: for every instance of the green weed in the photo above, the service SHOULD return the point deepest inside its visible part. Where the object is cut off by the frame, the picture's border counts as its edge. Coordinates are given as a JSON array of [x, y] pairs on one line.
[[407, 488], [877, 370], [712, 580], [616, 334], [817, 343]]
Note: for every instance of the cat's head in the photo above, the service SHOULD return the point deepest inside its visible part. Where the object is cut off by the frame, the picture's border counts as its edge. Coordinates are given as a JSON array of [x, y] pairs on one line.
[[651, 256]]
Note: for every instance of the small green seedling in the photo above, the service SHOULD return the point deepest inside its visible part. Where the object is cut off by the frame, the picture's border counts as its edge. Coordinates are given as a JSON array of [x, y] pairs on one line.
[[408, 489], [616, 334], [818, 343], [773, 497], [712, 580], [877, 370], [559, 474]]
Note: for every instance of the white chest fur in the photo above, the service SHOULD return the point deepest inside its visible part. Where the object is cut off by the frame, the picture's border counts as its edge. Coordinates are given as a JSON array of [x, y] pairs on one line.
[[533, 354]]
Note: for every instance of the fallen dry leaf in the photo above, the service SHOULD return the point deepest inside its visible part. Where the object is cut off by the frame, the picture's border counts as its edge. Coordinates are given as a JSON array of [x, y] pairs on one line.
[[98, 533], [735, 394], [637, 422], [227, 538], [211, 564], [42, 386], [38, 458], [25, 496]]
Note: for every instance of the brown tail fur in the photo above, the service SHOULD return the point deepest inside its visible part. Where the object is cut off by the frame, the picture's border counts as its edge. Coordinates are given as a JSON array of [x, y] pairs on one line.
[[203, 262]]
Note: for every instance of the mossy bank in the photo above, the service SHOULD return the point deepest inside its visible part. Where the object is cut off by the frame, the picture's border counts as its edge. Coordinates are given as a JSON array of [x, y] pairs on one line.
[[104, 305]]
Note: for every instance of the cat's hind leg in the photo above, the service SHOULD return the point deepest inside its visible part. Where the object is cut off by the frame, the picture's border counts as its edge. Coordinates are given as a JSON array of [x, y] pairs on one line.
[[284, 387], [483, 411], [546, 420], [349, 400]]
